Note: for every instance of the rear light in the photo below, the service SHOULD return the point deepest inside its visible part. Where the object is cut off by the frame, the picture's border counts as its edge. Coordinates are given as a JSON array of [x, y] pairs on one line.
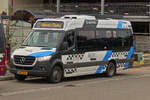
[[4, 59], [3, 63]]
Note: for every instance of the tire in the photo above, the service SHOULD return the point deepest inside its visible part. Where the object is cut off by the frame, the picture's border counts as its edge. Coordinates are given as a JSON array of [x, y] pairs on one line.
[[56, 75], [20, 77], [111, 69]]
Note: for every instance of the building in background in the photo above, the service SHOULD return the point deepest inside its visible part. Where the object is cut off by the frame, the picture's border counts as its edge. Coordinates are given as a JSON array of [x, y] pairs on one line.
[[137, 11], [4, 6]]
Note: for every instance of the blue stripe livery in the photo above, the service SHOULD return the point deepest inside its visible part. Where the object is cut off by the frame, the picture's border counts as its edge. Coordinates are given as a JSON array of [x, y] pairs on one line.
[[129, 57], [100, 68], [41, 54], [120, 23]]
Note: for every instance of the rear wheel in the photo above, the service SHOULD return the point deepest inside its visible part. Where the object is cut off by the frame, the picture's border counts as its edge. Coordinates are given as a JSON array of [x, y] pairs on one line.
[[20, 77], [56, 75], [111, 69]]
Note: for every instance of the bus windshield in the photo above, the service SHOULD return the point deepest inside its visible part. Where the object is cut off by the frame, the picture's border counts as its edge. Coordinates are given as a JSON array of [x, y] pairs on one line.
[[43, 38]]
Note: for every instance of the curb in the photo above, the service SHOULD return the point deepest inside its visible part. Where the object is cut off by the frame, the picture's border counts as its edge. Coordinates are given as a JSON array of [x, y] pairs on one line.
[[5, 78], [146, 64], [139, 66], [10, 76]]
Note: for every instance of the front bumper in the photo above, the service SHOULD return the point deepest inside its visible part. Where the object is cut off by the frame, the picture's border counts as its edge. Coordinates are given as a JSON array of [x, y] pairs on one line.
[[40, 69], [30, 72]]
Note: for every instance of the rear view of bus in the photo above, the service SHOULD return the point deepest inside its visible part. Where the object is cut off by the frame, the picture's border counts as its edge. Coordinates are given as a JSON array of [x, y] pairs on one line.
[[3, 51]]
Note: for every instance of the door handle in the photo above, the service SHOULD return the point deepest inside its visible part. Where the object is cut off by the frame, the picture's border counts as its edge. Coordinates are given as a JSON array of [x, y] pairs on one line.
[[93, 59]]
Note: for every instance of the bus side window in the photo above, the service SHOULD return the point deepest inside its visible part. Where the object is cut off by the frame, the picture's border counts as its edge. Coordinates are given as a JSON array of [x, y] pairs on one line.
[[100, 39], [86, 40], [117, 43], [109, 39], [128, 38], [69, 41], [124, 38], [114, 34]]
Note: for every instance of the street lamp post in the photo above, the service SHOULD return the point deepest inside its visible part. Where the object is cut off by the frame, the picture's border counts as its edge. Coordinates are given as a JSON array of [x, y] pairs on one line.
[[58, 6], [102, 7]]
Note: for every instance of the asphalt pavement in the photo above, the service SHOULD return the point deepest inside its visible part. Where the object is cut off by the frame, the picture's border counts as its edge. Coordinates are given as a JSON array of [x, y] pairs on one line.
[[131, 84]]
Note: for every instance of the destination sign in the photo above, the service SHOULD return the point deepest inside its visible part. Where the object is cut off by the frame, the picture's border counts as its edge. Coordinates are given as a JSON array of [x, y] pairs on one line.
[[49, 24], [90, 23]]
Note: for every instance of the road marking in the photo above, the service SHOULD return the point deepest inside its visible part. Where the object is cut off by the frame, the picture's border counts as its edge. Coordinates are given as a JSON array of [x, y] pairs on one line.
[[78, 84]]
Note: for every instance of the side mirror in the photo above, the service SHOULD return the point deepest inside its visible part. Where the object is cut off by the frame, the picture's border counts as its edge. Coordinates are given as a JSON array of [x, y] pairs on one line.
[[64, 46]]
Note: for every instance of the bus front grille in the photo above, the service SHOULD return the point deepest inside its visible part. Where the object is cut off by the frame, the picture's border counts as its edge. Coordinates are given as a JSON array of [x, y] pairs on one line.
[[24, 60]]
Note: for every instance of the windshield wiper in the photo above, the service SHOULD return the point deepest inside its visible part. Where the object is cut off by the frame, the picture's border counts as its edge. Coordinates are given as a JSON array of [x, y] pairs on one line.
[[46, 48], [24, 45], [40, 46]]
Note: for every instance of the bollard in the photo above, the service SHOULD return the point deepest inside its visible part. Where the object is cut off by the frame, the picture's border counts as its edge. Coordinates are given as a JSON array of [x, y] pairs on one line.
[[139, 59]]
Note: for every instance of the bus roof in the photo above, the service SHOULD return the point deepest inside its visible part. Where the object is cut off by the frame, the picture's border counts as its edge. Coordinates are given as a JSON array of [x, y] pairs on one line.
[[70, 22]]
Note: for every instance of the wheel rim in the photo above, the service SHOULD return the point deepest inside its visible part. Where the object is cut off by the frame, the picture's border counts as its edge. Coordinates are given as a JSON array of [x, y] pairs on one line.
[[57, 75], [111, 69]]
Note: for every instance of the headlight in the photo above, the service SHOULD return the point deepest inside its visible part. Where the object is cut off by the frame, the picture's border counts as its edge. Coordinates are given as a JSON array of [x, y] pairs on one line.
[[12, 56], [45, 58]]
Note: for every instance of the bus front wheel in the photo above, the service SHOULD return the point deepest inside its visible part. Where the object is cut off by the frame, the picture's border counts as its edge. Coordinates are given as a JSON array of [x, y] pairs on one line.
[[56, 75]]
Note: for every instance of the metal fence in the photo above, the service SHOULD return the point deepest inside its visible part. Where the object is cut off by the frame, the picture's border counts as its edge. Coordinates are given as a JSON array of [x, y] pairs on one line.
[[19, 29], [132, 8], [126, 8]]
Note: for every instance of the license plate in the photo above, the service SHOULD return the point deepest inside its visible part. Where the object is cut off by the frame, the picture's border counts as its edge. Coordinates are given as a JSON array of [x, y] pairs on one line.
[[22, 73]]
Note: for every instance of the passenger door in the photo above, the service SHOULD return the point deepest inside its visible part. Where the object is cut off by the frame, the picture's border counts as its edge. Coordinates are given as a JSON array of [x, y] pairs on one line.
[[87, 45], [68, 48], [83, 58]]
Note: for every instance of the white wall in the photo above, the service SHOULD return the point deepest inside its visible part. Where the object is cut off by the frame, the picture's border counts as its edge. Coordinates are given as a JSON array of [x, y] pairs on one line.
[[26, 4], [3, 6], [13, 5]]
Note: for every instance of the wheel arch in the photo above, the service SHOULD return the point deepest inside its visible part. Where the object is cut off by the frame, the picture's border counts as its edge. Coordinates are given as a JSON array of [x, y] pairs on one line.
[[114, 62], [59, 63]]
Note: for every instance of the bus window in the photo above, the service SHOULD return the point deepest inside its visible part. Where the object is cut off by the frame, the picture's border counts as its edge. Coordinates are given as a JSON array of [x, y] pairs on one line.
[[86, 40], [104, 39], [113, 39], [124, 36], [70, 39], [108, 34], [100, 36], [43, 38]]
